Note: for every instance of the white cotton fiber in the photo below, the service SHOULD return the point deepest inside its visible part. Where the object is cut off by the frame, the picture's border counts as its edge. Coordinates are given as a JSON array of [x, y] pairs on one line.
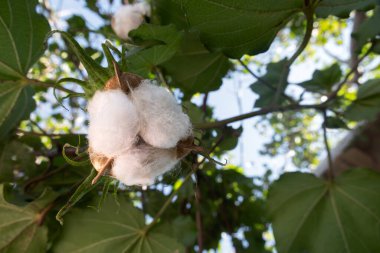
[[163, 123], [142, 164], [143, 8], [114, 122], [129, 17]]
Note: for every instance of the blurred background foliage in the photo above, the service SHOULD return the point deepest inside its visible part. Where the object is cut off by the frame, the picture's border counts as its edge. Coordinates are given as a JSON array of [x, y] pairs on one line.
[[193, 47]]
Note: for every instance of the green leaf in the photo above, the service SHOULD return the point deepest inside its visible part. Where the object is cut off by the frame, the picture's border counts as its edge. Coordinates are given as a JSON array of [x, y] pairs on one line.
[[314, 216], [342, 8], [85, 187], [195, 69], [266, 86], [367, 103], [230, 137], [16, 103], [16, 162], [335, 123], [376, 48], [323, 80], [185, 230], [239, 27], [369, 29], [20, 228], [97, 74], [167, 41], [22, 35], [118, 229], [170, 12]]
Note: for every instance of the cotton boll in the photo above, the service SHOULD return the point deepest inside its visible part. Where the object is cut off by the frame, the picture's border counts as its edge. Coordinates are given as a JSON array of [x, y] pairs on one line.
[[129, 17], [142, 164], [143, 8], [163, 122], [114, 122]]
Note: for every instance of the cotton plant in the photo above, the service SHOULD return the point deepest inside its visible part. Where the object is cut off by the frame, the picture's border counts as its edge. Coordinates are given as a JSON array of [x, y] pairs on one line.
[[137, 130], [129, 17]]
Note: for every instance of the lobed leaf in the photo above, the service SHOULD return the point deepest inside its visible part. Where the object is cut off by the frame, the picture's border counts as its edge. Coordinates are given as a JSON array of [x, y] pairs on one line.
[[167, 41], [16, 103], [194, 68], [367, 103], [267, 85], [22, 35], [119, 228], [20, 227], [323, 80], [341, 216], [343, 8], [241, 26]]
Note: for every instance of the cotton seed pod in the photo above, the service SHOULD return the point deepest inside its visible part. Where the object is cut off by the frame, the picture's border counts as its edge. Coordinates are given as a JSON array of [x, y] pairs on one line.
[[123, 81], [163, 123], [100, 162], [114, 122], [129, 17], [142, 164]]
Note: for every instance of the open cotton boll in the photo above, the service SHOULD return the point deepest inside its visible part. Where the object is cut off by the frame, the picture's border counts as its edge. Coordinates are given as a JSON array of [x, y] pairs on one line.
[[142, 164], [143, 8], [114, 122], [163, 123], [129, 17]]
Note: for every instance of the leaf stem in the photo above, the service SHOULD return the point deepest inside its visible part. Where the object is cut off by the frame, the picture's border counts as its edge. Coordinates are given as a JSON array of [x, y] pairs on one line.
[[162, 78], [42, 215], [169, 200], [309, 14]]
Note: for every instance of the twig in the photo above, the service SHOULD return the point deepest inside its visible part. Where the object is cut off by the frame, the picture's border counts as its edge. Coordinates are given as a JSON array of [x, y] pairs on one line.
[[49, 85], [204, 104], [329, 157], [339, 86], [332, 55], [262, 111], [198, 214], [162, 78], [359, 18], [20, 131], [33, 181], [39, 127], [291, 107]]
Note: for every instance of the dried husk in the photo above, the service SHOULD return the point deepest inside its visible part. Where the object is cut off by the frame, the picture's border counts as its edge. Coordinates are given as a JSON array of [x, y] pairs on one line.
[[123, 81]]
